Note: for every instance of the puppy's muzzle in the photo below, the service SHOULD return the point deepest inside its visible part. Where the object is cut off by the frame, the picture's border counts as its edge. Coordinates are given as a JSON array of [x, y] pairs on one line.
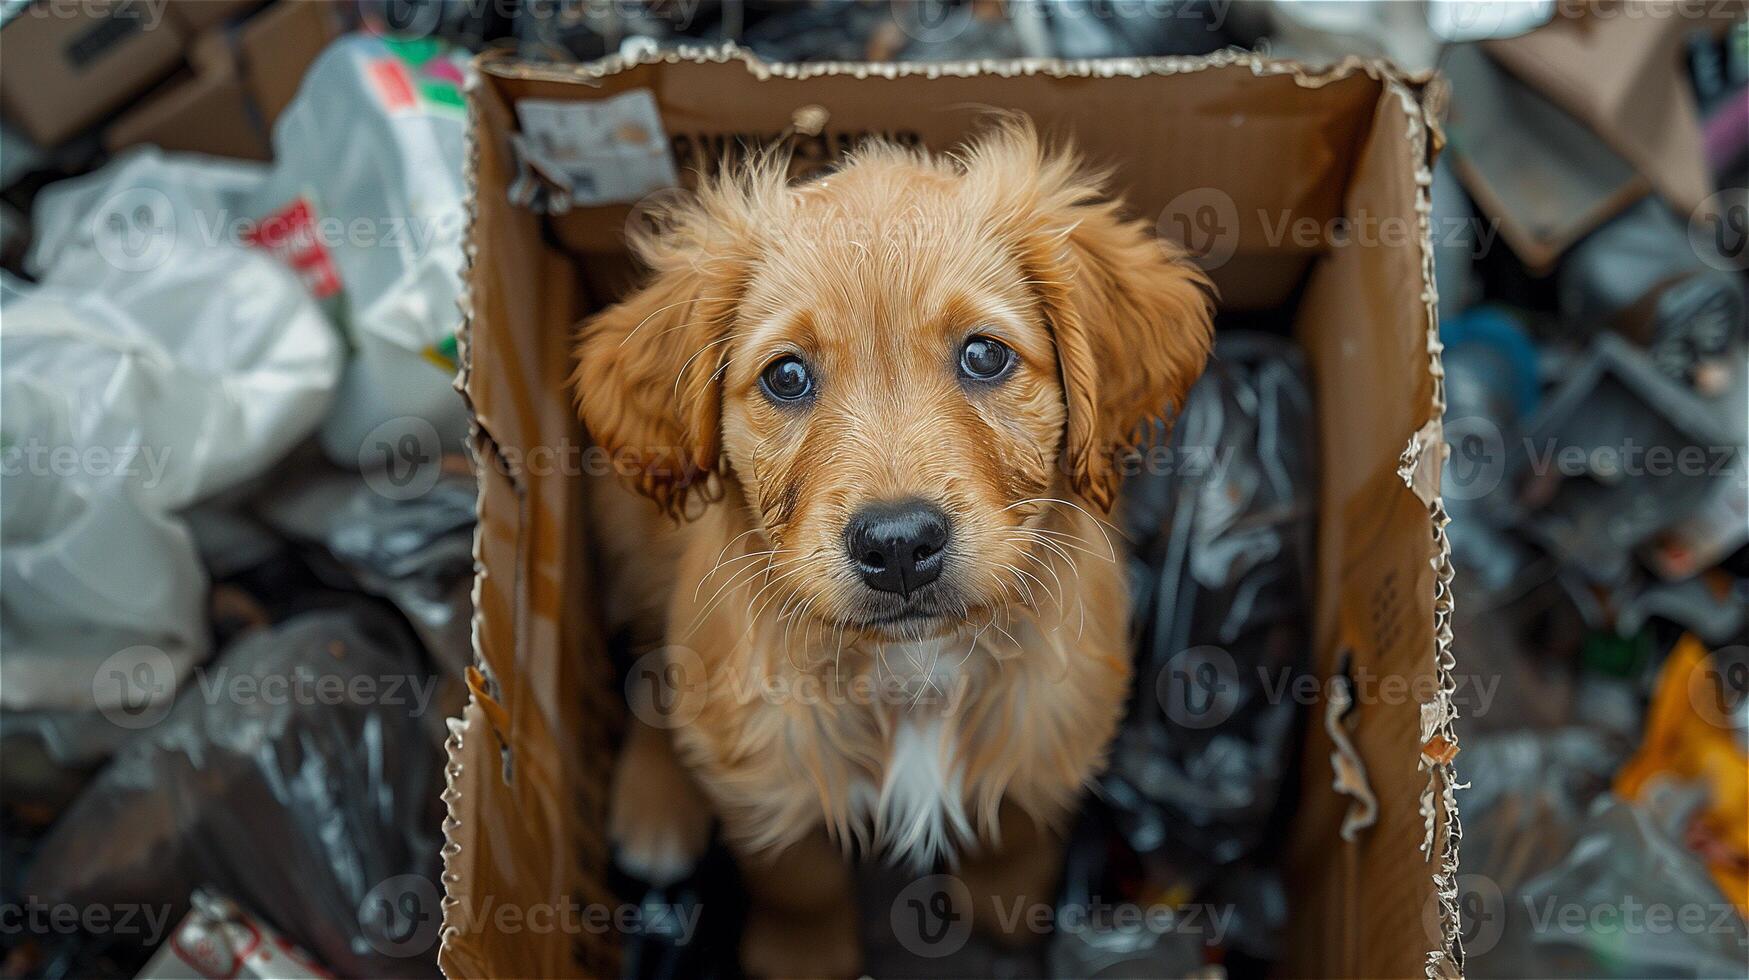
[[900, 546]]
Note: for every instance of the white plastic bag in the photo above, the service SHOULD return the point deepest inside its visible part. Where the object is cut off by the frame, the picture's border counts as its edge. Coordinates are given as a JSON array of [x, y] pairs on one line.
[[140, 210], [370, 205], [129, 394]]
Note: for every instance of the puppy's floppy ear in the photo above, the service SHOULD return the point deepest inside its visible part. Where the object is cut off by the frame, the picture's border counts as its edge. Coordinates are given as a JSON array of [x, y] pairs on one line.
[[648, 379], [1131, 316]]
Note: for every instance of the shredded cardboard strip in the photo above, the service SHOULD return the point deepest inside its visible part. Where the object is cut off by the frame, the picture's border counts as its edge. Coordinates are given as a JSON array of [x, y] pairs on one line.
[[1423, 457], [509, 66], [1422, 462], [451, 852], [1345, 761]]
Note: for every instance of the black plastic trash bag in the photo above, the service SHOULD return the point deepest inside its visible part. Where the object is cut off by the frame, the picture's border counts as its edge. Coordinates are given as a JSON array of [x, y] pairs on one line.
[[1222, 524], [296, 774]]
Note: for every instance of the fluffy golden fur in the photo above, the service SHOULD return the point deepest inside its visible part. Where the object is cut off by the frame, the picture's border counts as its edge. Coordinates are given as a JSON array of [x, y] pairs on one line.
[[959, 722]]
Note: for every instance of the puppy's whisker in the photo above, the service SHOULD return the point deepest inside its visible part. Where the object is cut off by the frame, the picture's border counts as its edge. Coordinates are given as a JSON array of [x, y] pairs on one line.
[[754, 615], [783, 644], [1055, 549], [737, 580], [1047, 566], [1055, 597], [805, 614], [717, 375], [1012, 641], [1075, 541], [727, 563], [1067, 538], [731, 542], [1097, 522], [772, 585], [1028, 598], [681, 374], [697, 299], [740, 579]]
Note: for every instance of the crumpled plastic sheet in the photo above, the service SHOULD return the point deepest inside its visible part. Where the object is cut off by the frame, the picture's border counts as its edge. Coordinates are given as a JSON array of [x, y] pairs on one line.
[[1409, 34], [1490, 385], [299, 777], [1612, 409], [143, 210], [416, 552], [1625, 899], [1528, 791], [849, 30], [136, 384], [1223, 533], [1639, 276], [1159, 943]]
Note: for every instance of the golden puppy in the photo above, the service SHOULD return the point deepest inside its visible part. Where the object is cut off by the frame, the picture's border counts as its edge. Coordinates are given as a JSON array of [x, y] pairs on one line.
[[883, 411]]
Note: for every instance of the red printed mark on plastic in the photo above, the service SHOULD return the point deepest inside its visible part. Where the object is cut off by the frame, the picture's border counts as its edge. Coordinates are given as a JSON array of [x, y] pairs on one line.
[[394, 86], [290, 235]]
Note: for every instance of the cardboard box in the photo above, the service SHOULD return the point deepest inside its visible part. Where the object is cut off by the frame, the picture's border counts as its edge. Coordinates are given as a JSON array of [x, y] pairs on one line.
[[1624, 73], [277, 45], [196, 16], [1372, 865], [240, 79], [69, 64], [208, 111]]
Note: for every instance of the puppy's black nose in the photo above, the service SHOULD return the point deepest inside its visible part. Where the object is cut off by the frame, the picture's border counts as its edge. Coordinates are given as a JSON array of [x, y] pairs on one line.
[[898, 546]]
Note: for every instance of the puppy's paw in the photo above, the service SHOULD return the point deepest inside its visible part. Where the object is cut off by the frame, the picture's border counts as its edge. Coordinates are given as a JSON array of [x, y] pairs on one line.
[[780, 946], [658, 821]]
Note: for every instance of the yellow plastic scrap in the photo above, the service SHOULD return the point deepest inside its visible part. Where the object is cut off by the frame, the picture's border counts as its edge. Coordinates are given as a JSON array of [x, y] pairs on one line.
[[1691, 736]]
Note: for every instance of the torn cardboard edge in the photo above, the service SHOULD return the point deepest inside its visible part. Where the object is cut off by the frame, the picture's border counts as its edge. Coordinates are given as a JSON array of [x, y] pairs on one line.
[[1422, 96]]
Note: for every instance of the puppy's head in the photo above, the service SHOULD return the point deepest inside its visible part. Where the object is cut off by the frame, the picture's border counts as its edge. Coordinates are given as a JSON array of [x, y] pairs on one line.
[[901, 366]]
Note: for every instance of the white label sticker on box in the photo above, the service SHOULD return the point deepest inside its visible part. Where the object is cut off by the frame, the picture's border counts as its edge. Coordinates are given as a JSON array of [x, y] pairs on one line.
[[613, 150]]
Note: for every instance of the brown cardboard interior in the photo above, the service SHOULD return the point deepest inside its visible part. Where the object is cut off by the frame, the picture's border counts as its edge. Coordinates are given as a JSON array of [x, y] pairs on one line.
[[206, 110], [529, 758], [68, 65]]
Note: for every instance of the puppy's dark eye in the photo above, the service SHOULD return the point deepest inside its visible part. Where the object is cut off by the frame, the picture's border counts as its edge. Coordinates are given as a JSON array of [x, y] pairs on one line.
[[984, 359], [787, 379]]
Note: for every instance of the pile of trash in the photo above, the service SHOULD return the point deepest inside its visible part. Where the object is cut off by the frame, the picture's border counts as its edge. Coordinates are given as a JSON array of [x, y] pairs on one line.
[[1597, 387], [233, 593]]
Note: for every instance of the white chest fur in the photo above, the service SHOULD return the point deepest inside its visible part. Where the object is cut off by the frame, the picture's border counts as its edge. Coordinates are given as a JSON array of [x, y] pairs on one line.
[[919, 808]]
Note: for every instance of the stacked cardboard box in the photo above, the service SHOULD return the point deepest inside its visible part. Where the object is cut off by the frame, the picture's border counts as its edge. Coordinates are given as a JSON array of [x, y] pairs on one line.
[[204, 76]]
